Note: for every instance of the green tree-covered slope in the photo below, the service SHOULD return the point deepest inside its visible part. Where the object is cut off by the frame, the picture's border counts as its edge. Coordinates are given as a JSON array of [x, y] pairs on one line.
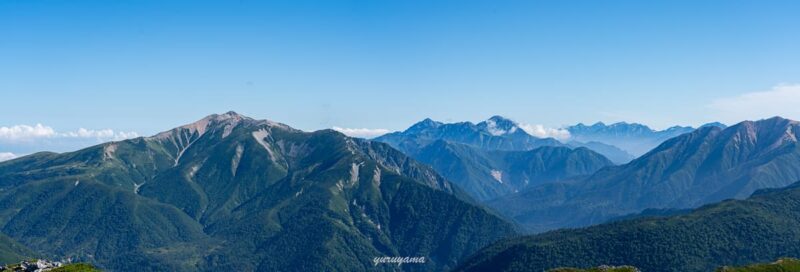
[[781, 265], [11, 251], [734, 232], [230, 191]]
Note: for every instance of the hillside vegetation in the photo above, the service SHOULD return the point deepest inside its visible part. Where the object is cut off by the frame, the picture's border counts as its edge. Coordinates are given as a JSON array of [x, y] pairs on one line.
[[11, 251], [781, 265], [734, 232], [230, 191]]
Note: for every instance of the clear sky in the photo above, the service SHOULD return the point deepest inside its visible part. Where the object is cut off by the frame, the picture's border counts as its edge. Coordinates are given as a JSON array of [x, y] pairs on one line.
[[147, 66]]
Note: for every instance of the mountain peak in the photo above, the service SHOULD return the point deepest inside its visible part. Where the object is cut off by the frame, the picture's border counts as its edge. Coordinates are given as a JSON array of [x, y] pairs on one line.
[[598, 124], [499, 125], [772, 122], [502, 121], [230, 115], [423, 125], [714, 124], [778, 119], [618, 126], [628, 126], [679, 128], [225, 122], [225, 119], [429, 121]]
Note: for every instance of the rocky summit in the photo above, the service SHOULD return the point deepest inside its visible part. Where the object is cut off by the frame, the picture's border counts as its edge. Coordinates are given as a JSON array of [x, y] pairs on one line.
[[231, 191]]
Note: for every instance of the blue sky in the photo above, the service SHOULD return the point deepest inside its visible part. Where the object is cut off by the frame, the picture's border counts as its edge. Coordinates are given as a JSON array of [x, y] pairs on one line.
[[146, 66]]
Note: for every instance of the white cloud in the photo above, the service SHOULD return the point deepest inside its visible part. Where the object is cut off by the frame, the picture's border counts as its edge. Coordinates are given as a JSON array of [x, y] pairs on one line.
[[491, 126], [781, 100], [26, 132], [362, 132], [4, 156], [38, 131], [545, 132], [26, 139], [101, 134]]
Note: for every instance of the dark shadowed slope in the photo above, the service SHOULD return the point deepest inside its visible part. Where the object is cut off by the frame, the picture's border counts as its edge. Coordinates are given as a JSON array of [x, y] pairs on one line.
[[489, 174], [761, 228], [13, 252], [781, 265], [613, 153]]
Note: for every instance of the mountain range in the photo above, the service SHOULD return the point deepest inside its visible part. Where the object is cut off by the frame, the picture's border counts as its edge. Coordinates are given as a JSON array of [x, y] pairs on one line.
[[495, 157], [761, 228], [635, 139], [232, 192], [488, 174], [496, 133], [620, 142], [613, 153], [705, 166], [229, 192]]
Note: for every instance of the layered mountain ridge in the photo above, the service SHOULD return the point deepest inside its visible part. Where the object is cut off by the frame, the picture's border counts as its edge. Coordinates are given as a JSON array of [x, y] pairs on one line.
[[231, 191], [761, 228], [493, 158], [705, 166], [492, 173], [496, 133], [635, 139]]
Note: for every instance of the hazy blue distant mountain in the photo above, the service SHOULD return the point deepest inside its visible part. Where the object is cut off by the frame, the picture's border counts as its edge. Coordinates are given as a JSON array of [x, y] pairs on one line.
[[635, 139], [762, 228], [714, 124], [488, 174], [704, 166], [613, 153], [229, 192], [496, 133], [495, 157]]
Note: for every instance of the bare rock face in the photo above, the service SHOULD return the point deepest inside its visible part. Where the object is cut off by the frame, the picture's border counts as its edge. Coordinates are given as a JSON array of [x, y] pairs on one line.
[[40, 265]]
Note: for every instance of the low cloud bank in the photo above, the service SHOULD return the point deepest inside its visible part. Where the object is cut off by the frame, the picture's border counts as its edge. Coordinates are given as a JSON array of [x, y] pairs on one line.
[[545, 132], [27, 139], [367, 133], [28, 132], [782, 100], [4, 156]]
